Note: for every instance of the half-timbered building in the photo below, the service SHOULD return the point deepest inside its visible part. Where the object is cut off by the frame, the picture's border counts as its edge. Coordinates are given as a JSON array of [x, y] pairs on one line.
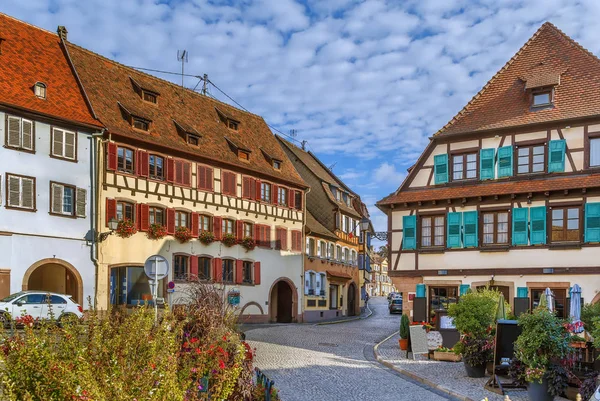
[[507, 194]]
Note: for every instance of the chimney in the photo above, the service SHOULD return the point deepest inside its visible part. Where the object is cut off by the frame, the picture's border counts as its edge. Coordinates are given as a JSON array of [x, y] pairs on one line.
[[62, 32]]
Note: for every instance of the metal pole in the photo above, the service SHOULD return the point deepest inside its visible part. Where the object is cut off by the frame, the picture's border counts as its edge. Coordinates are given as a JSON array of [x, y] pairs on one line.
[[155, 291]]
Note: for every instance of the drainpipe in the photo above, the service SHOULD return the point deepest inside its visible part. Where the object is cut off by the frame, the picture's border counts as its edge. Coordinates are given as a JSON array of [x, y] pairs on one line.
[[94, 178], [303, 247]]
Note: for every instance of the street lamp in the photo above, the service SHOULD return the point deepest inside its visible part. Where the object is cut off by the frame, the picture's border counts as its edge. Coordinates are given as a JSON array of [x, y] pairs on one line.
[[364, 226], [112, 225]]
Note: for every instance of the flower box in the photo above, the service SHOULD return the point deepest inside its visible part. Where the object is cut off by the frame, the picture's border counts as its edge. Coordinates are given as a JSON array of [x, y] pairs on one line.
[[578, 344], [447, 356]]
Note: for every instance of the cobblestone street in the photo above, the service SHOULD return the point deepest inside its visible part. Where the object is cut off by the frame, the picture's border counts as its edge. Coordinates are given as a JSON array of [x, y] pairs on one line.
[[334, 362]]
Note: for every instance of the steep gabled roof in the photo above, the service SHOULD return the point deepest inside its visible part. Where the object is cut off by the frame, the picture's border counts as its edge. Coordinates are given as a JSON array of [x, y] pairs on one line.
[[29, 55], [549, 57], [314, 227]]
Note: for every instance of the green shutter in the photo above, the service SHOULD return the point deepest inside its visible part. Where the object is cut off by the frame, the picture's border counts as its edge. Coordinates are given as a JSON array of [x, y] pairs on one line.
[[486, 164], [519, 226], [537, 216], [521, 292], [454, 230], [505, 161], [470, 229], [440, 165], [556, 159], [464, 288], [409, 229], [421, 291], [592, 222]]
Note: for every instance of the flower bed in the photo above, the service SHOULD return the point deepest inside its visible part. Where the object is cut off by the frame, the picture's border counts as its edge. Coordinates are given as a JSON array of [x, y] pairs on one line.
[[446, 354]]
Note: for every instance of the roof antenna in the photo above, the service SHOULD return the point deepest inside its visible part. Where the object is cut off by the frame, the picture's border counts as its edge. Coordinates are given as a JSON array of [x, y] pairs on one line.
[[303, 145], [182, 55], [332, 166], [205, 84], [293, 133]]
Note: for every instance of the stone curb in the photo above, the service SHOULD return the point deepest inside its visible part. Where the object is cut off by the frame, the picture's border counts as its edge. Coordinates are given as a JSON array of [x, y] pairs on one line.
[[414, 376], [353, 319]]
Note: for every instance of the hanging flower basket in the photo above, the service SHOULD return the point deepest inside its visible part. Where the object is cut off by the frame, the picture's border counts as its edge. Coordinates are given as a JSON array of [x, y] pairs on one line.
[[229, 240], [157, 231], [248, 243], [206, 237], [183, 234], [126, 228]]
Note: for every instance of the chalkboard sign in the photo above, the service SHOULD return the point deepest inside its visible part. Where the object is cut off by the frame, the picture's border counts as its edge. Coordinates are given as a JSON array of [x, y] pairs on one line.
[[418, 340]]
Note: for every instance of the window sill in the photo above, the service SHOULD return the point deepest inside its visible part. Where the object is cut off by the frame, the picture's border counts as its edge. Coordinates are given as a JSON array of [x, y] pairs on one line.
[[32, 151], [576, 245], [431, 250], [68, 216], [22, 209], [495, 249], [66, 159]]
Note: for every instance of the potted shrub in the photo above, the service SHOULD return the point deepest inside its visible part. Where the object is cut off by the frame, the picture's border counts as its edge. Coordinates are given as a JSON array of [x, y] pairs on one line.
[[248, 243], [543, 347], [157, 231], [446, 354], [183, 234], [228, 240], [126, 228], [404, 332], [206, 237]]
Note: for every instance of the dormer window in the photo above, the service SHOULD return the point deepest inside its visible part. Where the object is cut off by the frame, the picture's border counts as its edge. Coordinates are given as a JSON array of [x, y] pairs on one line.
[[193, 140], [542, 98], [140, 123], [232, 125], [277, 164], [243, 155], [40, 90], [149, 97]]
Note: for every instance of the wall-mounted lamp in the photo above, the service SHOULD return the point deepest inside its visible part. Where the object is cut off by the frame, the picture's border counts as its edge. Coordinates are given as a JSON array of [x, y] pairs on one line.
[[112, 225]]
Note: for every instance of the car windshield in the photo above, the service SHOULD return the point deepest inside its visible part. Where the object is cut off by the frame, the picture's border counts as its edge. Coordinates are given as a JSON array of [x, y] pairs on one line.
[[397, 302], [11, 297]]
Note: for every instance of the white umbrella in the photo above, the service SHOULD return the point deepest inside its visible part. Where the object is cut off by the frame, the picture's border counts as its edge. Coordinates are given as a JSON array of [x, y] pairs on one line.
[[549, 299], [576, 306]]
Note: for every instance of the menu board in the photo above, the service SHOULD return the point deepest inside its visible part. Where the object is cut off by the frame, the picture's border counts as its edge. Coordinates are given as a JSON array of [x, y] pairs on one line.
[[418, 340]]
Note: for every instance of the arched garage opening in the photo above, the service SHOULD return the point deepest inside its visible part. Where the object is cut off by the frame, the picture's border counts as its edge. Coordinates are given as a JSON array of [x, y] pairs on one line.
[[54, 275]]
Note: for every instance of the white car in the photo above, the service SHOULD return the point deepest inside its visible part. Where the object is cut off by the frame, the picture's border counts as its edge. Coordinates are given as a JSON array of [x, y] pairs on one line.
[[39, 305]]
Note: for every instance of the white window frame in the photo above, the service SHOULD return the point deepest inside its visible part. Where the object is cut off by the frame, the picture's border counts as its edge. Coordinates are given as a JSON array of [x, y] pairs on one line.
[[21, 122], [592, 141], [322, 279], [339, 253], [21, 180], [331, 251], [310, 282], [60, 208]]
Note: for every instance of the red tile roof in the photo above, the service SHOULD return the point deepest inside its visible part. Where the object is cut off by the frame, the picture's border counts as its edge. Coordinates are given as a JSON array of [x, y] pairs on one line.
[[30, 54], [503, 101]]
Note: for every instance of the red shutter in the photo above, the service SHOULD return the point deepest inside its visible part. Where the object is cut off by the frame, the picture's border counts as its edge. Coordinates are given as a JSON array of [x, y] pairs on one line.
[[284, 239], [294, 240], [138, 215], [239, 229], [111, 162], [178, 171], [256, 273], [170, 170], [275, 194], [217, 228], [292, 198], [239, 271], [299, 204], [209, 178], [111, 210], [258, 184], [267, 236], [246, 184], [201, 177], [144, 217], [170, 221], [257, 234], [193, 268], [187, 179], [218, 269], [195, 229], [141, 165]]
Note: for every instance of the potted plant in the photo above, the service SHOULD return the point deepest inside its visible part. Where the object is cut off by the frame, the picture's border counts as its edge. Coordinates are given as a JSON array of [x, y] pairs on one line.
[[228, 240], [404, 332], [157, 231], [206, 237], [126, 228], [446, 354], [577, 342], [183, 234], [248, 243], [543, 347]]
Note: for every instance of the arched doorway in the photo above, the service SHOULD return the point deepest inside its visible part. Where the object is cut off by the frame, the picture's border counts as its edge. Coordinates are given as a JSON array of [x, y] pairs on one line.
[[54, 275], [282, 302], [351, 299]]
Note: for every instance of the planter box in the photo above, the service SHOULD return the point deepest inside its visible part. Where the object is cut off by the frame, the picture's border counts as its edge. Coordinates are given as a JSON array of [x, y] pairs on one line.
[[446, 356]]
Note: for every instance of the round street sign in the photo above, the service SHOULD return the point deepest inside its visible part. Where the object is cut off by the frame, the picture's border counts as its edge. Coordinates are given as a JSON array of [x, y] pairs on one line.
[[171, 285], [156, 267]]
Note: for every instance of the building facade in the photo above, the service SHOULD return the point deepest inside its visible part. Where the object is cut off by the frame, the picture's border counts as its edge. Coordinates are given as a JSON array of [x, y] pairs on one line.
[[380, 282], [507, 194], [45, 167]]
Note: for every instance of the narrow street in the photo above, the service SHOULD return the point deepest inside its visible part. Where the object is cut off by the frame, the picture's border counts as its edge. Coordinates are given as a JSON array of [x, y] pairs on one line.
[[334, 362]]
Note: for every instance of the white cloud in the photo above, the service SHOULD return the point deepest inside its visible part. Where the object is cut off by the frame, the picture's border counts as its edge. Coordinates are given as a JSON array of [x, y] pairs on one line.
[[387, 173]]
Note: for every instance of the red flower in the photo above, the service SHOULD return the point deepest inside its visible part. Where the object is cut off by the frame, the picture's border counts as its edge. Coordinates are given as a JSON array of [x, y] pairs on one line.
[[221, 364]]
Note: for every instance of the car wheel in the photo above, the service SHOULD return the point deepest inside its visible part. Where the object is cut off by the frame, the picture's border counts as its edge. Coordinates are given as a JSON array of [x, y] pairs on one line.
[[68, 319]]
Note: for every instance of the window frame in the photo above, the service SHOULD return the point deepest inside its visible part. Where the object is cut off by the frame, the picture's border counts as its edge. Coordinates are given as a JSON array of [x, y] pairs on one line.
[[7, 192], [186, 273], [284, 191], [554, 290], [542, 91], [224, 223], [124, 204], [231, 274], [153, 166], [277, 164], [133, 160], [464, 153], [75, 144], [247, 227], [243, 155], [580, 222], [481, 223], [430, 296], [201, 267], [152, 215], [142, 121], [43, 88], [178, 215], [233, 125], [201, 219], [419, 229], [151, 94], [20, 148], [73, 213], [193, 138], [263, 191], [247, 272], [589, 137], [530, 145]]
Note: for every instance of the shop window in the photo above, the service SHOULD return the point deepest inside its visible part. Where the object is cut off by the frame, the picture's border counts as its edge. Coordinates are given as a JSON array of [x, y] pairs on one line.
[[129, 286], [440, 298], [560, 299]]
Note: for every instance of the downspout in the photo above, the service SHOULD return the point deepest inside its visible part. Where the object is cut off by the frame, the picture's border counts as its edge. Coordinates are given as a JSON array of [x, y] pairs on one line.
[[94, 178], [303, 247]]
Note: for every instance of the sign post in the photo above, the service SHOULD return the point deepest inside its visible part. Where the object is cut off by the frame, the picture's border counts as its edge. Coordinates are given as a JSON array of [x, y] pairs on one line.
[[156, 268]]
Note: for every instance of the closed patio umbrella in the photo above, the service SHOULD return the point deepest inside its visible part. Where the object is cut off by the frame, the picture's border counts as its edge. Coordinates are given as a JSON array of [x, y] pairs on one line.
[[576, 306], [549, 299], [501, 312]]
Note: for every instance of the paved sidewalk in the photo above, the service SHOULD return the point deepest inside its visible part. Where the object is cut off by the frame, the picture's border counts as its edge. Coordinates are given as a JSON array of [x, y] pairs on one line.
[[365, 314]]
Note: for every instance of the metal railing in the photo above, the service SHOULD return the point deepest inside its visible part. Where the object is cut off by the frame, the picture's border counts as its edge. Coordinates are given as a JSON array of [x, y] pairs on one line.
[[268, 384]]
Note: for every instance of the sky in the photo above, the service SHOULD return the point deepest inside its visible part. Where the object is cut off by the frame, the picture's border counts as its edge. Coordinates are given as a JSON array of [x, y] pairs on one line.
[[365, 83]]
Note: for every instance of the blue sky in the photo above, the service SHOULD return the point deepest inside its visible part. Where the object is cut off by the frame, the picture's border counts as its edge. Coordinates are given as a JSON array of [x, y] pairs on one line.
[[364, 82]]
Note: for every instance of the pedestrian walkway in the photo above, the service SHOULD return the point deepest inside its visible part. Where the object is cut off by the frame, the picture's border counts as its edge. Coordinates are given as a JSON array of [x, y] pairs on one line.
[[366, 313]]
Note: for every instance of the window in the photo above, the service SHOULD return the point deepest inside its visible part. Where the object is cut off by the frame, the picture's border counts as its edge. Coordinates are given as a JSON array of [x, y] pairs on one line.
[[125, 160], [565, 224], [20, 192], [298, 199], [40, 90], [156, 167], [182, 219], [129, 286], [464, 166], [182, 174], [531, 159], [205, 178], [247, 272], [204, 268], [433, 230], [228, 270], [542, 98], [64, 144], [180, 267], [149, 97], [310, 247], [310, 283], [338, 195], [140, 123], [227, 226], [264, 235], [276, 164], [560, 298], [495, 228], [338, 252], [334, 191], [156, 215], [125, 210], [322, 249], [63, 199], [353, 257], [204, 222], [296, 241], [232, 125], [331, 252], [20, 133], [265, 192], [282, 196], [193, 140], [248, 230], [440, 298], [243, 155], [595, 152], [346, 255], [228, 183]]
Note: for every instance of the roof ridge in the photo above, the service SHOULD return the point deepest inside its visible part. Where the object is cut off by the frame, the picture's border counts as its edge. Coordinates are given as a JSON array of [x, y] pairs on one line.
[[150, 76], [30, 25]]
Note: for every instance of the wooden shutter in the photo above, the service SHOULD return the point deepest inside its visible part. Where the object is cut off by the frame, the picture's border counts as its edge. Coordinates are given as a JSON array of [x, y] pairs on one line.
[[178, 171], [70, 142], [81, 199], [409, 231], [239, 271], [505, 161], [257, 238], [464, 288], [592, 222], [267, 235], [246, 184], [239, 230], [470, 229], [275, 194], [217, 228], [454, 236], [256, 273], [57, 198], [187, 177], [144, 217], [537, 216], [283, 239], [143, 163], [193, 268], [170, 170], [111, 210], [201, 177], [519, 225], [556, 159], [28, 193], [27, 134], [170, 221], [258, 187], [440, 166], [58, 140], [218, 269], [486, 164], [14, 132], [195, 225], [111, 162], [292, 198], [138, 216], [278, 238]]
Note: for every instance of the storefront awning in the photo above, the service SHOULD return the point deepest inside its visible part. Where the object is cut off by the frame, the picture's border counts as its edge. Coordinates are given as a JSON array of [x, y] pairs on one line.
[[338, 276]]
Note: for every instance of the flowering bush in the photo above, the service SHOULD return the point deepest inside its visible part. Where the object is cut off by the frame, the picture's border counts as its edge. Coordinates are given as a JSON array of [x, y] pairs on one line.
[[183, 234], [228, 240], [534, 375], [206, 237], [248, 243], [126, 228], [157, 231], [476, 351], [26, 320]]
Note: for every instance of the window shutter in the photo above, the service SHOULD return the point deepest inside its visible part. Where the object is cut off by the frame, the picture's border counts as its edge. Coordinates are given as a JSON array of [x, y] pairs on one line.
[[275, 194], [239, 270], [486, 164], [111, 210], [521, 292], [170, 170], [170, 221], [284, 236], [537, 216], [217, 228], [201, 177], [218, 269], [292, 198], [246, 184], [58, 138], [454, 230], [57, 198], [193, 268], [239, 230], [209, 178], [519, 226], [592, 222], [187, 176], [28, 194], [464, 288], [70, 140], [505, 162], [556, 159], [440, 165], [360, 261], [257, 234], [144, 217], [80, 198], [27, 135], [470, 229], [14, 132], [409, 230], [195, 227], [258, 185], [306, 283], [178, 171], [268, 236], [142, 166], [256, 273], [111, 162]]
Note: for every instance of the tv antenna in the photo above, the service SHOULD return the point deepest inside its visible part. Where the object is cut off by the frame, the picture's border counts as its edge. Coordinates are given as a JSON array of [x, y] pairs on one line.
[[293, 133], [182, 56], [205, 84], [332, 166]]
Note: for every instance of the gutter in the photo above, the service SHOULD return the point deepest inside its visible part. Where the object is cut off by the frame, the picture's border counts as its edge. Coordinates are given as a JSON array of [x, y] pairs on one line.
[[303, 245], [94, 201]]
